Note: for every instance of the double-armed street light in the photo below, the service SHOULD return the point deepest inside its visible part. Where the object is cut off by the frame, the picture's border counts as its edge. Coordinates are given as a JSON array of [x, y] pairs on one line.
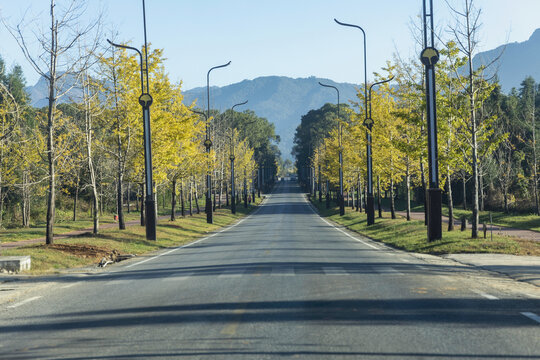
[[146, 100], [208, 145], [370, 202], [232, 157], [340, 131], [370, 206]]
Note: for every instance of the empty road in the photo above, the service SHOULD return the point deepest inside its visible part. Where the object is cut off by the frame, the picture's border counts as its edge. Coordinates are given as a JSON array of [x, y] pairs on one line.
[[282, 283]]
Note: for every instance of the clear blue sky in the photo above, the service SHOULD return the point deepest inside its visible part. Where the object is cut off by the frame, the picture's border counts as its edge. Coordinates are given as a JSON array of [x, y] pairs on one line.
[[296, 38]]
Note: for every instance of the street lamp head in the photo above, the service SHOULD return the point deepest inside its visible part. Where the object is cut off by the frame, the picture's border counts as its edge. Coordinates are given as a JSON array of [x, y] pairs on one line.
[[368, 123]]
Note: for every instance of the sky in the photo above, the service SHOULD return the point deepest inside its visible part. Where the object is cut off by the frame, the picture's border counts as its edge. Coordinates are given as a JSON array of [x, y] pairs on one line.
[[295, 38]]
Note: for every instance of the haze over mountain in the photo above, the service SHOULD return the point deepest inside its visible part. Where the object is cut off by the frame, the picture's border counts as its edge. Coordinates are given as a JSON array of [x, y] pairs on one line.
[[281, 100]]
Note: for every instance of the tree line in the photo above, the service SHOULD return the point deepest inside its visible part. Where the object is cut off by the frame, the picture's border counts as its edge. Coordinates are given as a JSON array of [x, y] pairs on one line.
[[85, 149], [486, 139]]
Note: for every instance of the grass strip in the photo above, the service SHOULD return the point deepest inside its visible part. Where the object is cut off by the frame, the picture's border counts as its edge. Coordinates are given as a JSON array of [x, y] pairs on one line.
[[86, 250], [412, 235]]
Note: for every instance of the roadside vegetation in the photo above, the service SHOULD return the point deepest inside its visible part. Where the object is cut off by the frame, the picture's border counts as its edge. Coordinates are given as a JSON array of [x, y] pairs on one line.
[[88, 249], [411, 235], [487, 144]]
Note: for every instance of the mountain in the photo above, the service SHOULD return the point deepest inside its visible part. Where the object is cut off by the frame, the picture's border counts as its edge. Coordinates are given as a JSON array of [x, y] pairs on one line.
[[39, 93], [517, 61], [281, 100]]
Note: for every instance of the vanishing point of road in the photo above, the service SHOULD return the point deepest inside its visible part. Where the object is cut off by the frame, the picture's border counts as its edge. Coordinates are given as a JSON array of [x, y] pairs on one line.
[[282, 283]]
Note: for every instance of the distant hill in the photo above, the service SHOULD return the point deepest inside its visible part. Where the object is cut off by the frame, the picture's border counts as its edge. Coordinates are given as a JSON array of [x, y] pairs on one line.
[[281, 100], [517, 61], [39, 93]]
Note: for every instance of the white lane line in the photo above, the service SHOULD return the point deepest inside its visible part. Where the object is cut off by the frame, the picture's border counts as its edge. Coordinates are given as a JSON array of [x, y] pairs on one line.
[[177, 277], [349, 235], [334, 271], [232, 273], [24, 302], [282, 271], [387, 270], [422, 267], [483, 294], [198, 241], [405, 260], [70, 285], [118, 282], [531, 316]]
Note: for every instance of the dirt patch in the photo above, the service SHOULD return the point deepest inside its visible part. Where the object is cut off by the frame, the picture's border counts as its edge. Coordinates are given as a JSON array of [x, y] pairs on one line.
[[81, 250]]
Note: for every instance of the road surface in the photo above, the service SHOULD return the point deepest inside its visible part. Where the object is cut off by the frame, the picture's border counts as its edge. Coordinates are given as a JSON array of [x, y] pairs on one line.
[[283, 283]]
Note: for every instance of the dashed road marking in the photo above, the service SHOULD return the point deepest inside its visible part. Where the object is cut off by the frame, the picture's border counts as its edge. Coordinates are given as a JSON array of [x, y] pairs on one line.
[[531, 316], [70, 285], [232, 273], [120, 281], [487, 296], [25, 302]]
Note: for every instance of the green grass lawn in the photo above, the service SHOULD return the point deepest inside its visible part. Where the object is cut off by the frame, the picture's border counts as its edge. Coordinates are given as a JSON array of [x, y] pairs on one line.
[[88, 250], [412, 235], [37, 230], [513, 220]]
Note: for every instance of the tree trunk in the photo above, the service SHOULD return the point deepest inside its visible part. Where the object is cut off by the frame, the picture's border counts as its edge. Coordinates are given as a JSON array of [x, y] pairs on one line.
[[408, 185], [481, 188], [182, 206], [120, 200], [450, 200], [358, 193], [173, 200], [51, 111], [392, 204], [197, 200], [190, 197], [143, 195], [220, 192], [75, 199], [464, 181], [424, 189], [128, 197], [379, 195]]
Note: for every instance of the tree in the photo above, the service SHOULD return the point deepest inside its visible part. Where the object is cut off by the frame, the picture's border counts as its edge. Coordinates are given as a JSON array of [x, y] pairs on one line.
[[58, 52]]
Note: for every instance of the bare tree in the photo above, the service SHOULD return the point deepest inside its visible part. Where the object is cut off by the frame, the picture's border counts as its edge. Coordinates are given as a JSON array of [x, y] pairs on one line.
[[58, 61], [465, 33]]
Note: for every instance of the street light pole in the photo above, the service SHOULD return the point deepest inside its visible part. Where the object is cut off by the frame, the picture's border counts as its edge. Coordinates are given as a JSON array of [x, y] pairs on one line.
[[340, 131], [208, 145], [429, 57], [233, 190], [370, 202], [146, 100]]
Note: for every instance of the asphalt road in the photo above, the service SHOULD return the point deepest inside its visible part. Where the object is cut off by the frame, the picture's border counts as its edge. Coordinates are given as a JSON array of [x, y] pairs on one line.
[[282, 283]]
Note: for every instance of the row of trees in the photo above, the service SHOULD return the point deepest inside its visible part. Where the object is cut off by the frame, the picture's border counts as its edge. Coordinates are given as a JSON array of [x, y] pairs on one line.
[[88, 140], [486, 139]]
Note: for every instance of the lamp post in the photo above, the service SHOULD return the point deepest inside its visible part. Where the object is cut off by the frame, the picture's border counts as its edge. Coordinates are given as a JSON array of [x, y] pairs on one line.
[[146, 100], [233, 193], [429, 57], [208, 145], [340, 131], [370, 206]]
